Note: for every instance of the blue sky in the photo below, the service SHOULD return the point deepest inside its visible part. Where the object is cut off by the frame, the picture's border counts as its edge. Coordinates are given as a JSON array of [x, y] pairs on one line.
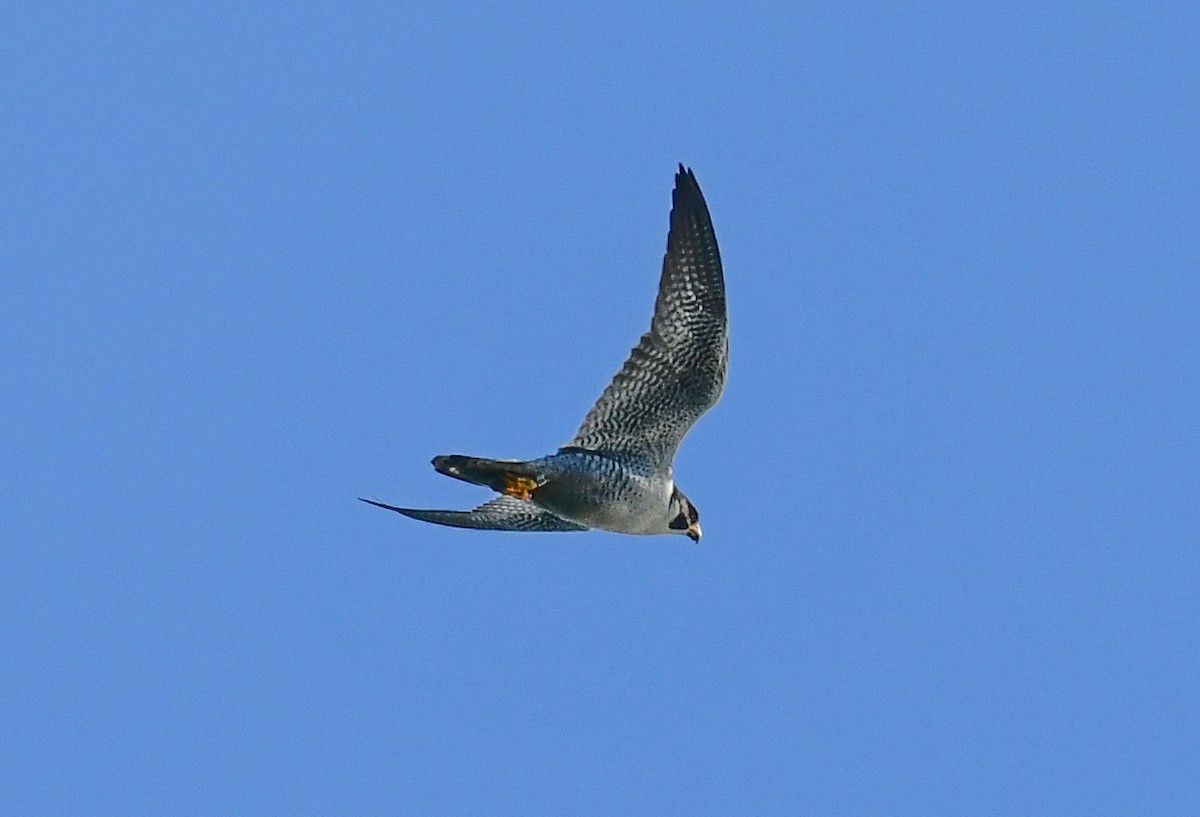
[[261, 259]]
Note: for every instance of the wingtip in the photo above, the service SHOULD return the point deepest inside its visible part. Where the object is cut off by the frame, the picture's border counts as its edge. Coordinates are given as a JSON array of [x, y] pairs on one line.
[[686, 183], [379, 504], [686, 197]]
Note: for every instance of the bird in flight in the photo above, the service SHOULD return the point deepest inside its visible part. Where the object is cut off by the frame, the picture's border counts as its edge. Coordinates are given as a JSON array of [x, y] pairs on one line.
[[616, 473]]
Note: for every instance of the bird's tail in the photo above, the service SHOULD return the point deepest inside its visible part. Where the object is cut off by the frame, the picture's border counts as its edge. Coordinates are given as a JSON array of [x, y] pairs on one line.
[[513, 477]]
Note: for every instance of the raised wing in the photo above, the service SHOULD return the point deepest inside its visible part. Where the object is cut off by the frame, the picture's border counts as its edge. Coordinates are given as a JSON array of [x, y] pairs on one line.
[[677, 370], [501, 513]]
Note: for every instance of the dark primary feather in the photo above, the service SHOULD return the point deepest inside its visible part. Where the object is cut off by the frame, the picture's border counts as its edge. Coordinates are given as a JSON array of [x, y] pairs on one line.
[[501, 513], [677, 370]]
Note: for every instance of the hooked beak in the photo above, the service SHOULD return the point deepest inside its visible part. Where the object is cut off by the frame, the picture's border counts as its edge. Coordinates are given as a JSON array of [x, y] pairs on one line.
[[694, 531]]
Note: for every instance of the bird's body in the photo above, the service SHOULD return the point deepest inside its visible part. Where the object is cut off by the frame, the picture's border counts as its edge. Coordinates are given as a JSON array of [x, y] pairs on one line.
[[616, 473], [606, 491]]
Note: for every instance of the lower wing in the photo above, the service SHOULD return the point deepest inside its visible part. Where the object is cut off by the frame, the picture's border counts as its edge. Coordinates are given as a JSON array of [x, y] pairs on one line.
[[501, 513]]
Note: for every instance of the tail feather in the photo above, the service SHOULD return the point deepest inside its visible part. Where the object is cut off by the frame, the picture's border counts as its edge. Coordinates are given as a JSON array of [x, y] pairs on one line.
[[513, 477]]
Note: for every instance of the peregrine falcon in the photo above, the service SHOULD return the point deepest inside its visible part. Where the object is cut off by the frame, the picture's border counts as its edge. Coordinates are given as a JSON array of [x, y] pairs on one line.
[[616, 473]]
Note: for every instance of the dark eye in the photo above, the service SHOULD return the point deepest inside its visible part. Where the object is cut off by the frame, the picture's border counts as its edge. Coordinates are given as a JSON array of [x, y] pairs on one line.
[[679, 523]]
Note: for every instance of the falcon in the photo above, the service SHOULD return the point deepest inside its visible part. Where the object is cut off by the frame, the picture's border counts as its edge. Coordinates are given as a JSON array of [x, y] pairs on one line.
[[616, 473]]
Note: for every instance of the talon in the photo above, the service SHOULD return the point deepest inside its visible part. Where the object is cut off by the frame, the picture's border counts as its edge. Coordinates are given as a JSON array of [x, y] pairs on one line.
[[519, 486]]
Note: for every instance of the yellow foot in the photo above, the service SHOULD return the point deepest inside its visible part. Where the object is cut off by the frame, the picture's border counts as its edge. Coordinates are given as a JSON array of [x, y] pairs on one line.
[[519, 486]]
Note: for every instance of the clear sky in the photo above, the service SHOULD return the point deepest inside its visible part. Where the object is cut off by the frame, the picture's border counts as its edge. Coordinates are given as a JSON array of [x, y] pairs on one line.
[[261, 259]]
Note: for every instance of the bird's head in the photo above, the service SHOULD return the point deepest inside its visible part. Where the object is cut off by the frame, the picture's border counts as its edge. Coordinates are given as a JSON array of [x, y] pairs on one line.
[[684, 517]]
